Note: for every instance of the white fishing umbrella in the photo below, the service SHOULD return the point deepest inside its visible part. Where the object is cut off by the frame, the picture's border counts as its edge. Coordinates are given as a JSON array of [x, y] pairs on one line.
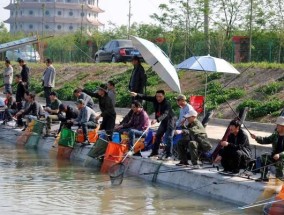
[[159, 61], [207, 64]]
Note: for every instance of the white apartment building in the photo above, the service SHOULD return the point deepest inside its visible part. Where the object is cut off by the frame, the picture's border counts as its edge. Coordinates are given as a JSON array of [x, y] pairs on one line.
[[53, 16]]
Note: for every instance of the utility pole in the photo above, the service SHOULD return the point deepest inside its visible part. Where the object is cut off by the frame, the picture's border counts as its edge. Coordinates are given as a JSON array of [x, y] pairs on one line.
[[82, 16], [187, 30], [250, 30], [206, 25], [42, 19], [129, 19]]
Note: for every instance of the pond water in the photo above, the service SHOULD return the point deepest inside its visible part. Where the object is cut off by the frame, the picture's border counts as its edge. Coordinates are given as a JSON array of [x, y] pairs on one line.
[[35, 183]]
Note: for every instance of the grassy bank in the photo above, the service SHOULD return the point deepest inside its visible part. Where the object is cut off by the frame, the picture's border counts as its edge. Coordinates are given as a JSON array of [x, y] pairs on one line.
[[259, 86]]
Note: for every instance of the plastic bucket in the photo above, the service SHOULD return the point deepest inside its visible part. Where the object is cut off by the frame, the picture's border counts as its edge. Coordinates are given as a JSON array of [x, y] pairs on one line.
[[116, 137], [67, 138]]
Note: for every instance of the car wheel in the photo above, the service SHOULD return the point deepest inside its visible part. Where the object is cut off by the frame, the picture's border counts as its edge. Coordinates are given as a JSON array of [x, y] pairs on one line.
[[113, 59], [97, 59]]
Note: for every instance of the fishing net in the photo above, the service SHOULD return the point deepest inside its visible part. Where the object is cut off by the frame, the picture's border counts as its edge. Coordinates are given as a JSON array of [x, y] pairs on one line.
[[116, 173]]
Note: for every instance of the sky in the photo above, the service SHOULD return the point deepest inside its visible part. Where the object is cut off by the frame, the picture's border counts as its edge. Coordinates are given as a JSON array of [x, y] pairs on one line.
[[116, 11]]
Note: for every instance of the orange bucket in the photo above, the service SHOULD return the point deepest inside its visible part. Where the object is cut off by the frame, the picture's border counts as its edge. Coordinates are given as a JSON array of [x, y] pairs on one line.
[[64, 152], [139, 145], [92, 135], [114, 154]]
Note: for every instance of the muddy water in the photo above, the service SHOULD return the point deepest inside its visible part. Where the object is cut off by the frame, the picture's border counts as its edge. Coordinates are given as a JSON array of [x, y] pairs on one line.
[[33, 183]]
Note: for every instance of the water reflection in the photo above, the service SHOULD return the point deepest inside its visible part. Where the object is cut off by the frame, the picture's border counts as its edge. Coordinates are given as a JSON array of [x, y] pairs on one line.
[[33, 183]]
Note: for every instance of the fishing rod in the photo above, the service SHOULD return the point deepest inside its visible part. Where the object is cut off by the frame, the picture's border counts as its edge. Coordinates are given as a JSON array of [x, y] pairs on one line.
[[179, 169], [220, 93]]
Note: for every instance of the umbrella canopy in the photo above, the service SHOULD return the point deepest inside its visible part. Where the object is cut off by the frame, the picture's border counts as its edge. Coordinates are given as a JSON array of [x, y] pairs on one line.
[[158, 60], [207, 64]]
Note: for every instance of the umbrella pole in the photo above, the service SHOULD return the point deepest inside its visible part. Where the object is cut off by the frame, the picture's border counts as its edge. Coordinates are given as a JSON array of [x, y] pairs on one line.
[[205, 94]]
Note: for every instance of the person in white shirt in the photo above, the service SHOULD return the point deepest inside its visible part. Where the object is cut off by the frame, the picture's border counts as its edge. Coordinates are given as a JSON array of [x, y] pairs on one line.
[[8, 76], [185, 108]]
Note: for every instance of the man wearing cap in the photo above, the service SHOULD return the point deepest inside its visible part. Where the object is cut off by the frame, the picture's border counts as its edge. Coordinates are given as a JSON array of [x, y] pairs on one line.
[[236, 152], [165, 115], [25, 73], [8, 76], [79, 94], [52, 111], [107, 110], [138, 77], [65, 115], [194, 138], [86, 119], [277, 155], [185, 108], [48, 80]]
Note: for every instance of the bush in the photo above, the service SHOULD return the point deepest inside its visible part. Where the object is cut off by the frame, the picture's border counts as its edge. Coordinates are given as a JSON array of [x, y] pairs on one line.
[[271, 88], [66, 92], [260, 109], [92, 86], [36, 86]]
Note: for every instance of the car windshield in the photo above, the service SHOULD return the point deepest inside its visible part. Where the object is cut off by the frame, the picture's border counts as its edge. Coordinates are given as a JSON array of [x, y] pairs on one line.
[[125, 43]]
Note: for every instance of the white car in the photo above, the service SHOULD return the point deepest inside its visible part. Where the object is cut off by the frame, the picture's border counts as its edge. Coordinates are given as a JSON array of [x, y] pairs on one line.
[[27, 53]]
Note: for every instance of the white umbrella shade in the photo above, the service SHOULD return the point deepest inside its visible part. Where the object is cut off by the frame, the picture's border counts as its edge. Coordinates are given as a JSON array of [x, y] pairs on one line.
[[159, 62], [207, 64]]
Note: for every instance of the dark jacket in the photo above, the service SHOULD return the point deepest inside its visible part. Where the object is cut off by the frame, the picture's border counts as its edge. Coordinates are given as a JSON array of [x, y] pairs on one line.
[[138, 79], [35, 109], [163, 110], [239, 142], [71, 113], [105, 105], [20, 92], [25, 73], [139, 121], [272, 139]]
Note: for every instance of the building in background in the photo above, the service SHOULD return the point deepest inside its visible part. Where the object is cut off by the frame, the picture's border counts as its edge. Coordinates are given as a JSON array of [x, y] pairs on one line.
[[53, 16]]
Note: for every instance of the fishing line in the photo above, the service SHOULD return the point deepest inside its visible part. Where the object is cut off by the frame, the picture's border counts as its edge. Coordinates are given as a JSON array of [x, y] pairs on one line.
[[220, 93]]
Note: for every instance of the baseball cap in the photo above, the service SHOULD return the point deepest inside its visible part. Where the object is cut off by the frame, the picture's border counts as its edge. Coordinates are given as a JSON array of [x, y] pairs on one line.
[[280, 120], [190, 114], [180, 97]]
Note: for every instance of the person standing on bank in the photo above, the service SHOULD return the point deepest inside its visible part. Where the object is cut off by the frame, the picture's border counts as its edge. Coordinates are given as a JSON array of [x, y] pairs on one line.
[[138, 77], [48, 80], [25, 73], [111, 91], [20, 93], [165, 115], [277, 154], [8, 76], [107, 110], [236, 152]]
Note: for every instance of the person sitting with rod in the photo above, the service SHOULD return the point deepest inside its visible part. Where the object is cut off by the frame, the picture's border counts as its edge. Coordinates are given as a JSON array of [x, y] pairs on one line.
[[236, 151], [277, 154], [194, 138]]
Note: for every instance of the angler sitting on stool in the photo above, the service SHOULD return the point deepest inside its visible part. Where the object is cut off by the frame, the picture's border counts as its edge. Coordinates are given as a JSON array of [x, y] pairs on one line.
[[86, 119], [194, 138], [277, 155], [236, 152]]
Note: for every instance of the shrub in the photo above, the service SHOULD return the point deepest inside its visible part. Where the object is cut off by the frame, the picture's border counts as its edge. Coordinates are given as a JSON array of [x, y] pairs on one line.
[[91, 86], [271, 88], [66, 92], [36, 85]]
